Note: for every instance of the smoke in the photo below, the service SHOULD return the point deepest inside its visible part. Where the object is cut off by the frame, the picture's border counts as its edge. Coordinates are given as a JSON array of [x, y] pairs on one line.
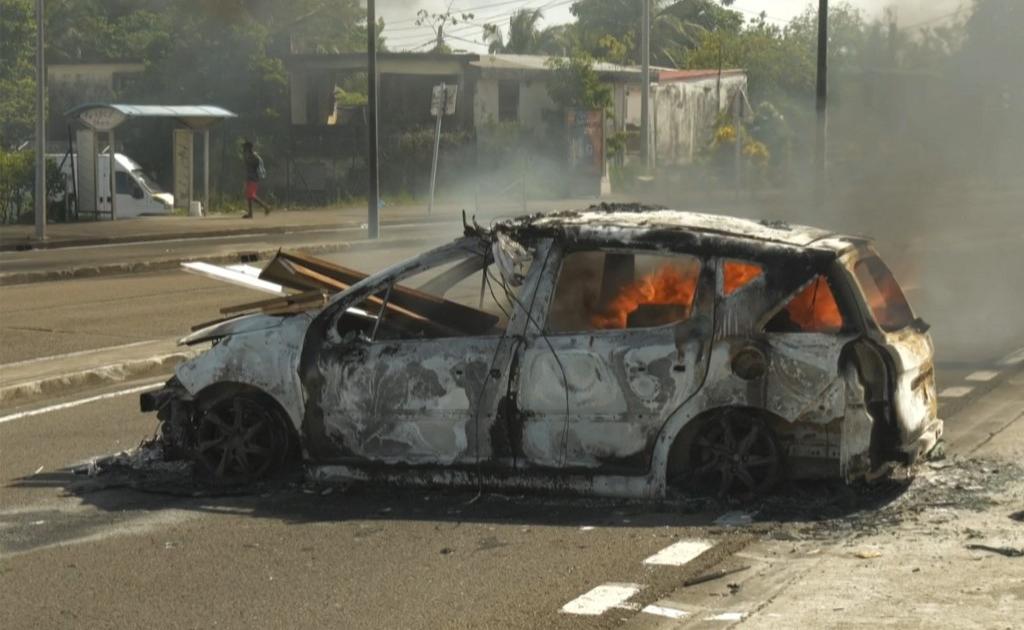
[[924, 155]]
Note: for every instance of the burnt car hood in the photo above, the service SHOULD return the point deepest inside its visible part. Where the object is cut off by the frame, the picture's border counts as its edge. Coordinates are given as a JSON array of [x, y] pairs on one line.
[[244, 324]]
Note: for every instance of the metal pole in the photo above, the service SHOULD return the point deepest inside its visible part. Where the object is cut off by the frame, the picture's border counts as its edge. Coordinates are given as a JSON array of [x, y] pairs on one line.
[[206, 171], [40, 196], [645, 95], [113, 170], [437, 146], [373, 195], [821, 105]]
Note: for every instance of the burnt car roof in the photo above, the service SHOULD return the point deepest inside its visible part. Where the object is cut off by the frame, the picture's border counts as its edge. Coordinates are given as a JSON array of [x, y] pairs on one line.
[[634, 223]]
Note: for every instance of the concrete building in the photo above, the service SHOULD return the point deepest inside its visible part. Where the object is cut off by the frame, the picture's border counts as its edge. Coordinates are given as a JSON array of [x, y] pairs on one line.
[[504, 88]]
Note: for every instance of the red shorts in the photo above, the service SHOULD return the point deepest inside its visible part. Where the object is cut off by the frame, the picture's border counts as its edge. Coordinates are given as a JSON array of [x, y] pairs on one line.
[[251, 189]]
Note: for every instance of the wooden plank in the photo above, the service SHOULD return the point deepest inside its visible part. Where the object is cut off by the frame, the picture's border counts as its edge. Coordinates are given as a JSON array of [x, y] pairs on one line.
[[301, 271], [307, 296]]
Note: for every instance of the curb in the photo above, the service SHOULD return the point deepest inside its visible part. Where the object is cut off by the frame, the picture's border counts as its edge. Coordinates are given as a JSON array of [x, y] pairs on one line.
[[103, 375], [341, 224], [113, 269]]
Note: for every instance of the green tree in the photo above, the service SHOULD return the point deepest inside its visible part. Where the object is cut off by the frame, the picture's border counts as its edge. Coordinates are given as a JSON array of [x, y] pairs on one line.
[[575, 83], [609, 29], [17, 71], [525, 37], [438, 22]]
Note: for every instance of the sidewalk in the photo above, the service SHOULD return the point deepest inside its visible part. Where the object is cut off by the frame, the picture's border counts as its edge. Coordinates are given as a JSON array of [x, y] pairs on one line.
[[158, 228]]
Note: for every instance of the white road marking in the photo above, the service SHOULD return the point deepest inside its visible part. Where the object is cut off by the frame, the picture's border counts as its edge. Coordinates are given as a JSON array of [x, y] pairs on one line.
[[77, 354], [955, 392], [727, 616], [679, 553], [982, 376], [664, 611], [76, 403], [1013, 358], [601, 598]]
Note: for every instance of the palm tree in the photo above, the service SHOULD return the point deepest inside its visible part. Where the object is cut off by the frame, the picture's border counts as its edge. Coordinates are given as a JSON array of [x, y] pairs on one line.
[[524, 38]]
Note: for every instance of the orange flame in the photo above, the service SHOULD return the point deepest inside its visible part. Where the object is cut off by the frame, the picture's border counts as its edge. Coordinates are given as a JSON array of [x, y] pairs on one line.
[[814, 309], [738, 274], [668, 285]]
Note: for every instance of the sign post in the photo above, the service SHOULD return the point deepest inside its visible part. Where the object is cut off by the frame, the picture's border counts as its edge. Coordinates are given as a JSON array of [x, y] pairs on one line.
[[442, 103]]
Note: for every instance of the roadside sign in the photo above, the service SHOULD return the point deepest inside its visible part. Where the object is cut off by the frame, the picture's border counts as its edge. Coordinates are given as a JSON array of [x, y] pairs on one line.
[[443, 96]]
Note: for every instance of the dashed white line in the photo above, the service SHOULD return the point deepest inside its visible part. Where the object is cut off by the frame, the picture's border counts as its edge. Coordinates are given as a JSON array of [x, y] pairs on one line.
[[664, 611], [1015, 357], [727, 616], [679, 553], [955, 392], [601, 598], [982, 376], [76, 403]]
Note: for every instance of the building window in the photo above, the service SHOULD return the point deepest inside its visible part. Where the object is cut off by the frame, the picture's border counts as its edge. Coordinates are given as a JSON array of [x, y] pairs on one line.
[[508, 101]]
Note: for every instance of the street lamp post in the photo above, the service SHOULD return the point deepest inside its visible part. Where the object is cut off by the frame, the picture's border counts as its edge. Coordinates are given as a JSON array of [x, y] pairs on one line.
[[645, 94], [373, 195], [40, 196], [821, 105]]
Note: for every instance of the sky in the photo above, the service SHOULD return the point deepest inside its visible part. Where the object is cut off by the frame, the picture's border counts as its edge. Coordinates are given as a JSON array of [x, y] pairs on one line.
[[403, 34]]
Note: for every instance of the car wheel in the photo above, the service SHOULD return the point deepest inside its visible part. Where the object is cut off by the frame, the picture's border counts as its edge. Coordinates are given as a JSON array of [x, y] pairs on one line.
[[241, 439], [734, 453]]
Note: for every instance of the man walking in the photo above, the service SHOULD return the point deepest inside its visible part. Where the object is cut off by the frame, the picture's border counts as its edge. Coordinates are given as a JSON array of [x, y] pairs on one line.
[[254, 172]]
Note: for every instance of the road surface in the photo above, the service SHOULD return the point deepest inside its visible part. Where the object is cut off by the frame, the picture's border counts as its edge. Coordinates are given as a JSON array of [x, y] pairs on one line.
[[79, 552]]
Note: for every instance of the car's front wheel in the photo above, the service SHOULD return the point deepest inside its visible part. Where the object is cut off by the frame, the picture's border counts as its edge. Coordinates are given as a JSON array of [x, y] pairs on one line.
[[241, 438]]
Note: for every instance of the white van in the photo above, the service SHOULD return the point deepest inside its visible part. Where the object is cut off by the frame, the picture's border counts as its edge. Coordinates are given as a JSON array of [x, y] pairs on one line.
[[137, 194]]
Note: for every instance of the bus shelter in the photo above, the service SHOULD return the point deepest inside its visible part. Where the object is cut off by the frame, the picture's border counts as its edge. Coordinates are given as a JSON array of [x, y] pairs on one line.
[[105, 118]]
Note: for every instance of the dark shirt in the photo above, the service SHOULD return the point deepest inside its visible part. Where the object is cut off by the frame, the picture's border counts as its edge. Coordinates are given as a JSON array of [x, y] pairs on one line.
[[252, 167]]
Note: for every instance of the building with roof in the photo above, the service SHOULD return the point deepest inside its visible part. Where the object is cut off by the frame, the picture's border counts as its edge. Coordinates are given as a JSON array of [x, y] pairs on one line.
[[507, 88]]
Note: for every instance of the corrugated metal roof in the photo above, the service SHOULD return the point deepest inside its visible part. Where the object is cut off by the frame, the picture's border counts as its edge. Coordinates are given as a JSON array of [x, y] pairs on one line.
[[165, 111], [503, 61]]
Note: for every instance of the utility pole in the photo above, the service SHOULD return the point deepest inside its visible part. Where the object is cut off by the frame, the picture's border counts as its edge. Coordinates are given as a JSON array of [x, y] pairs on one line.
[[645, 95], [821, 106], [373, 195], [40, 196]]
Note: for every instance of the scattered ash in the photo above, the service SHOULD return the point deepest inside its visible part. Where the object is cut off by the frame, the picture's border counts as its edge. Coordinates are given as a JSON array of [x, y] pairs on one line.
[[825, 510]]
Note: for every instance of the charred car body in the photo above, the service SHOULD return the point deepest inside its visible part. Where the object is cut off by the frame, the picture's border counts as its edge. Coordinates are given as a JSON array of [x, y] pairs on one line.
[[619, 350]]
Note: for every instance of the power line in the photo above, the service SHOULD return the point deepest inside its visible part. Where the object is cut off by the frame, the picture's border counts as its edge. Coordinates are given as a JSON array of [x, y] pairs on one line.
[[468, 26], [932, 20]]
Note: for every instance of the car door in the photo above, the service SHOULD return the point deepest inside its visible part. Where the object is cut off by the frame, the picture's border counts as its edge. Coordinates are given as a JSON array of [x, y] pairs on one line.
[[619, 341], [399, 389]]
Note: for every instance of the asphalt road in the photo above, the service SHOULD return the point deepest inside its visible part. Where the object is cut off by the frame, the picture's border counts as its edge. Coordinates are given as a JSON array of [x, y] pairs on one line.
[[81, 552], [53, 318], [76, 551]]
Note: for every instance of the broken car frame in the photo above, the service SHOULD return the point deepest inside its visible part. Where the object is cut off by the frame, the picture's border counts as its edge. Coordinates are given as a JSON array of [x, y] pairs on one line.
[[624, 351]]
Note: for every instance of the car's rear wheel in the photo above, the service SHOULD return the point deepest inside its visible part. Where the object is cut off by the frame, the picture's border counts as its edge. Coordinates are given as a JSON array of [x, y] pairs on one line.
[[241, 438], [734, 453]]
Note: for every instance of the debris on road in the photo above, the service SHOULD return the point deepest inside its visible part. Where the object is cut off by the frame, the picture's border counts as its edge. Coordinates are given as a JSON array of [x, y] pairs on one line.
[[714, 575], [1009, 552], [734, 519], [868, 554]]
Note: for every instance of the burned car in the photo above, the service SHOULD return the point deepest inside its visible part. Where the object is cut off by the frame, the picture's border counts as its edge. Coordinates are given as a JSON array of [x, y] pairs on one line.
[[620, 350]]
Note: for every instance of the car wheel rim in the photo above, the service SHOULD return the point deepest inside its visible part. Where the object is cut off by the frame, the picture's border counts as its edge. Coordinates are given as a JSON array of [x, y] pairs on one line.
[[735, 455], [237, 440]]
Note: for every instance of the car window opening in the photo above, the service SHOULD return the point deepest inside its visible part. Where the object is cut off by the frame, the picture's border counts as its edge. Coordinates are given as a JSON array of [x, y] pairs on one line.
[[611, 290], [812, 310], [460, 299], [738, 274], [883, 294]]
